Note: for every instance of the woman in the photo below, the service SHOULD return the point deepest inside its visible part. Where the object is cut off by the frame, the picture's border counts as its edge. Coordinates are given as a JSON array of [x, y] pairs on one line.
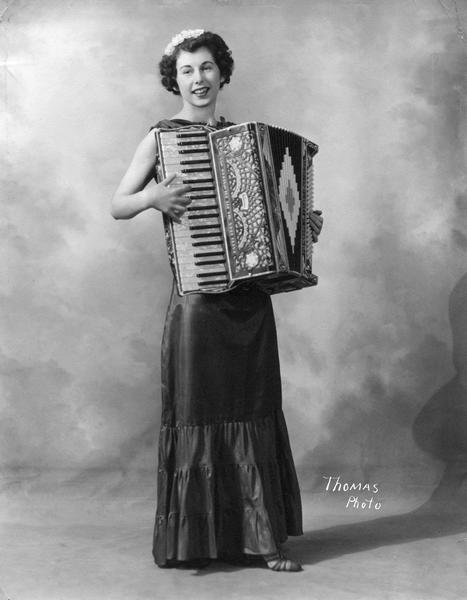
[[227, 486]]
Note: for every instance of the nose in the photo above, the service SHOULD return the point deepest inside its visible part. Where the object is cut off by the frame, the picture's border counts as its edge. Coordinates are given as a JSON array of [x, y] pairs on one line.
[[198, 76]]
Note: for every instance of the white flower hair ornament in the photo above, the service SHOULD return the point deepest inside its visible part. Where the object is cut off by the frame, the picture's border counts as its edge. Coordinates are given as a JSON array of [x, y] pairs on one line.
[[181, 37]]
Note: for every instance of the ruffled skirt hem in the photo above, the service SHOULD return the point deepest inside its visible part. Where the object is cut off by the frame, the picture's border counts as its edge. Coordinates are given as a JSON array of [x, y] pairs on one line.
[[225, 489]]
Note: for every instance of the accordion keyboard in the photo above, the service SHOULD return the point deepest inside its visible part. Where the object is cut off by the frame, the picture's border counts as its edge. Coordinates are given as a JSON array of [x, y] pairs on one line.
[[198, 239]]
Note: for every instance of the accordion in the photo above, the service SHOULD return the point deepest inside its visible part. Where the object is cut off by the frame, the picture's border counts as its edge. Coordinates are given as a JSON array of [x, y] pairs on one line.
[[251, 201]]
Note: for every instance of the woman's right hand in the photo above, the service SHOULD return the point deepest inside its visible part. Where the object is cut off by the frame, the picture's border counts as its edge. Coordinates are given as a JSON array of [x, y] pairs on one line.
[[171, 200], [134, 195]]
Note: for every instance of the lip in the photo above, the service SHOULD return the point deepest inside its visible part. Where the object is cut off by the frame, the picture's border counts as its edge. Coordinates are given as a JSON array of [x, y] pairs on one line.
[[201, 91]]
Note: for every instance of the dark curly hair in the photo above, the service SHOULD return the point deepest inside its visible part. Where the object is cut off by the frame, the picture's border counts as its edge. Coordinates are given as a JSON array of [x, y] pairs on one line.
[[213, 42]]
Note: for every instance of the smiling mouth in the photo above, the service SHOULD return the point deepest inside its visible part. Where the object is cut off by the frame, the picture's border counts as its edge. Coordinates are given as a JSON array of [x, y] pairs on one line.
[[201, 91]]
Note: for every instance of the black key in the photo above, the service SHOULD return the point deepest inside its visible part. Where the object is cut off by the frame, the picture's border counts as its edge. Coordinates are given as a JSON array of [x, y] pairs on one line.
[[205, 207], [195, 170], [209, 262], [193, 151], [200, 254], [203, 216], [204, 180], [211, 243], [186, 134], [211, 274], [203, 227], [203, 161], [202, 235]]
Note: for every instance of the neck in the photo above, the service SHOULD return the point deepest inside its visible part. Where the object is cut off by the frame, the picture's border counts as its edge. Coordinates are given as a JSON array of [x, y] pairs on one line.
[[197, 115]]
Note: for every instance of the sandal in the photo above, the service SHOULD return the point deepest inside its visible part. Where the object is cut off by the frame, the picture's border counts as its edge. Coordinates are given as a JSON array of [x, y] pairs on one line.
[[278, 562]]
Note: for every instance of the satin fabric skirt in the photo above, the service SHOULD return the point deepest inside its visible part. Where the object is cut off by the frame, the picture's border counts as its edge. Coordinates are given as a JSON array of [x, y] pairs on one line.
[[227, 484]]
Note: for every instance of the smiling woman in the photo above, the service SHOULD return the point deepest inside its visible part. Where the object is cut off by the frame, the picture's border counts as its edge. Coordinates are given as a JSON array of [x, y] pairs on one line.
[[198, 80], [227, 486]]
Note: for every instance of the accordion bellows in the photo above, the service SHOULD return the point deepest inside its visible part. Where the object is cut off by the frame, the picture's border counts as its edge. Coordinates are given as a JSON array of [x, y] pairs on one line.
[[249, 219]]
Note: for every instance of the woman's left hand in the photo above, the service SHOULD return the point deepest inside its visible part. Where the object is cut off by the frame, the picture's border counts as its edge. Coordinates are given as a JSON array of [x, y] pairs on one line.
[[316, 224]]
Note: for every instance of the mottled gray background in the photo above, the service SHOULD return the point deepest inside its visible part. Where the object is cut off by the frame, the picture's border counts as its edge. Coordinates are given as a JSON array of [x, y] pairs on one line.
[[379, 85]]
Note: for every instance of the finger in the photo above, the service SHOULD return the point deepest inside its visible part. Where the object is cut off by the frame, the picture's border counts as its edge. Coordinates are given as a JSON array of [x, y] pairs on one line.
[[181, 190], [178, 212], [316, 218], [168, 180], [183, 201], [316, 226], [318, 221], [318, 212], [314, 237]]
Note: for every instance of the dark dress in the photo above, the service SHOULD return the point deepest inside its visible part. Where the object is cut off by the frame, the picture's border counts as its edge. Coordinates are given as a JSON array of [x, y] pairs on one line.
[[226, 479]]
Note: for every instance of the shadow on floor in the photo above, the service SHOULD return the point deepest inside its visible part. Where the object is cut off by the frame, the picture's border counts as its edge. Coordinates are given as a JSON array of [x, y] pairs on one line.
[[431, 520]]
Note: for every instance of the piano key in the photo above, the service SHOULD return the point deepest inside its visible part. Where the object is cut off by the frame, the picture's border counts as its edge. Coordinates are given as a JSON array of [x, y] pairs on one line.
[[199, 205], [217, 261], [187, 245], [201, 236], [200, 197], [194, 284], [202, 250], [188, 161], [188, 141], [186, 135], [204, 225], [198, 178], [167, 135], [206, 244], [184, 142], [193, 150], [208, 254], [195, 161], [192, 144], [205, 274], [191, 135], [187, 260], [174, 156], [204, 220], [182, 149], [185, 232], [191, 270], [201, 186], [203, 215], [195, 170]]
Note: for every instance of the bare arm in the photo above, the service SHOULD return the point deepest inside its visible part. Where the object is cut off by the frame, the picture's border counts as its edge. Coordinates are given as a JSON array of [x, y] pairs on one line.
[[133, 195]]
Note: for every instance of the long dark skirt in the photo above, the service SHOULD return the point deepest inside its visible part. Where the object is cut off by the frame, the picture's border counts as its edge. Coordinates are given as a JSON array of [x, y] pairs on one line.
[[226, 479]]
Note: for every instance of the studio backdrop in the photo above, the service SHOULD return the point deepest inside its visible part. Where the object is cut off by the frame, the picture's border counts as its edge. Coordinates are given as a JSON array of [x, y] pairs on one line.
[[373, 359]]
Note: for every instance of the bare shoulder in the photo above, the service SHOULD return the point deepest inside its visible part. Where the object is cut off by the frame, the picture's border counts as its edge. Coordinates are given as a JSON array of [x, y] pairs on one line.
[[141, 169], [147, 147]]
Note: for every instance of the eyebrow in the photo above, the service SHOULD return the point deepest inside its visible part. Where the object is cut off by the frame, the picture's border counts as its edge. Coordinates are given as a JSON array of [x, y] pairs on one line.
[[211, 62]]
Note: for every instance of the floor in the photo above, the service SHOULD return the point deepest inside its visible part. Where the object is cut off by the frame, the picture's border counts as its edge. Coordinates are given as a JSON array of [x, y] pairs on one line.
[[88, 537]]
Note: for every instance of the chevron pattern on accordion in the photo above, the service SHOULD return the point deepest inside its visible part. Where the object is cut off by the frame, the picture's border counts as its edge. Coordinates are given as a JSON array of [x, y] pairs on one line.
[[289, 196]]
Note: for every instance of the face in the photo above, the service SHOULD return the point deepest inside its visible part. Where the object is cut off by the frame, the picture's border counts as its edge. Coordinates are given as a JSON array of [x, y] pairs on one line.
[[198, 77]]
